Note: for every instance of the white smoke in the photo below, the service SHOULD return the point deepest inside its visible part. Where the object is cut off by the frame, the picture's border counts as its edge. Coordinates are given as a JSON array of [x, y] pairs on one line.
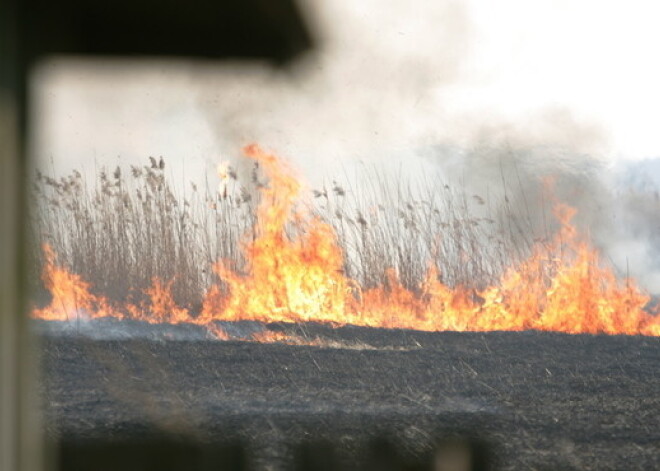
[[434, 81], [486, 92]]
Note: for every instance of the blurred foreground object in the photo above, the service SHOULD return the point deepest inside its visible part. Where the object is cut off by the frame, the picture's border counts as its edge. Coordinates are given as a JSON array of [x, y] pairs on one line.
[[271, 30], [172, 454]]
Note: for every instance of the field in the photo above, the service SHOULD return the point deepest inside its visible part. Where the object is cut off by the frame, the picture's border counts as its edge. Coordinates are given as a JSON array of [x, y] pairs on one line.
[[131, 249], [255, 310], [540, 400]]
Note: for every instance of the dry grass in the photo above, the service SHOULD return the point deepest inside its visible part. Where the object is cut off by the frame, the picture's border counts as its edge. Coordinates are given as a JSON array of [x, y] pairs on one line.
[[383, 222], [125, 229], [128, 227]]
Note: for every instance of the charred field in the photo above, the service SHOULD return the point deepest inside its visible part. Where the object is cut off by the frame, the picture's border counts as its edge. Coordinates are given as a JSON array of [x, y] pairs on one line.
[[540, 400], [269, 316]]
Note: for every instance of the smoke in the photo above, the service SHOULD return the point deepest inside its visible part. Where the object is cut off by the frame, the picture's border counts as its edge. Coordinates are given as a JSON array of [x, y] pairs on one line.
[[366, 93], [618, 214], [493, 96], [415, 84]]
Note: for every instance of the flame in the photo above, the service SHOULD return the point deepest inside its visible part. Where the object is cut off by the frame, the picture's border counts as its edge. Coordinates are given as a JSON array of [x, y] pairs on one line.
[[160, 306], [71, 298], [295, 274], [290, 278]]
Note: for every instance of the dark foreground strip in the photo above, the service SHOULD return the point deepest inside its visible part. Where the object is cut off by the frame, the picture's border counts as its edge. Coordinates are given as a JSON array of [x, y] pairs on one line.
[[168, 454]]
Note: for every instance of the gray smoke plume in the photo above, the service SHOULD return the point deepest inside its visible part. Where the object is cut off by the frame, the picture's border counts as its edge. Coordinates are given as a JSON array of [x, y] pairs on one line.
[[381, 90], [458, 90]]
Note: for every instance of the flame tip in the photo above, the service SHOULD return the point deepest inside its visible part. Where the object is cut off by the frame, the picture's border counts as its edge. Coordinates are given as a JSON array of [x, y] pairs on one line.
[[299, 276]]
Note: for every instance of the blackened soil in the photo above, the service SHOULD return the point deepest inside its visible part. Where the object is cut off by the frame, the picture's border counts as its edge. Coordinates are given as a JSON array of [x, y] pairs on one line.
[[542, 400]]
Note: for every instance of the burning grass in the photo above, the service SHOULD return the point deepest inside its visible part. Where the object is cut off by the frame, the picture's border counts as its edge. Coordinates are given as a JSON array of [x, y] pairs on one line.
[[130, 247]]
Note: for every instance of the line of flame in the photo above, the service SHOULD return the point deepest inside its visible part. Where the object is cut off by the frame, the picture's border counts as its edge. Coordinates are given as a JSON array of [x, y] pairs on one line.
[[299, 278]]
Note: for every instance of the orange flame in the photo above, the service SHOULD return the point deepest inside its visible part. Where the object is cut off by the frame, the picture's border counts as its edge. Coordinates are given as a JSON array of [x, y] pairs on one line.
[[161, 306], [295, 274], [290, 278], [70, 294]]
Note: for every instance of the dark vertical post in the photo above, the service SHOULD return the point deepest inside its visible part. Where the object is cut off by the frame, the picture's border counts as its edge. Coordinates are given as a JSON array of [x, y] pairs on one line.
[[20, 440], [32, 29]]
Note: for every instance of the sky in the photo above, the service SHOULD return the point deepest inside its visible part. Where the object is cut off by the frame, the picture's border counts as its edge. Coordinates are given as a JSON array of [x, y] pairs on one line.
[[565, 86], [385, 81]]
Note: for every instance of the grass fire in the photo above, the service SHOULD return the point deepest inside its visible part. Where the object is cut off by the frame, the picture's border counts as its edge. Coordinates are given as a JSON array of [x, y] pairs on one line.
[[271, 250]]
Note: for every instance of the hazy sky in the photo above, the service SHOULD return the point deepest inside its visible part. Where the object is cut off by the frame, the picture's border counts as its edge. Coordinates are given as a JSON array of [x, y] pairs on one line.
[[569, 85], [387, 79]]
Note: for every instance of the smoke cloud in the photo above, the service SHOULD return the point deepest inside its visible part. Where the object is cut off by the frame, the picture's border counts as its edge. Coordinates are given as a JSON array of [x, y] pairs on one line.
[[414, 84], [493, 96]]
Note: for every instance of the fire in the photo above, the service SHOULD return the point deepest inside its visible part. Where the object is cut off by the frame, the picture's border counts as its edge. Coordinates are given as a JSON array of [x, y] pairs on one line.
[[161, 306], [290, 278], [71, 298], [294, 273]]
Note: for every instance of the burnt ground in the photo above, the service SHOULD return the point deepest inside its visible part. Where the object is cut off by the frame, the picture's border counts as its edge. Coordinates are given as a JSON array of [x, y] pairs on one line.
[[541, 400]]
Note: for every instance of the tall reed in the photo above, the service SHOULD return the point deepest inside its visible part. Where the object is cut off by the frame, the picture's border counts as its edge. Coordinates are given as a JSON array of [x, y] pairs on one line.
[[128, 227]]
